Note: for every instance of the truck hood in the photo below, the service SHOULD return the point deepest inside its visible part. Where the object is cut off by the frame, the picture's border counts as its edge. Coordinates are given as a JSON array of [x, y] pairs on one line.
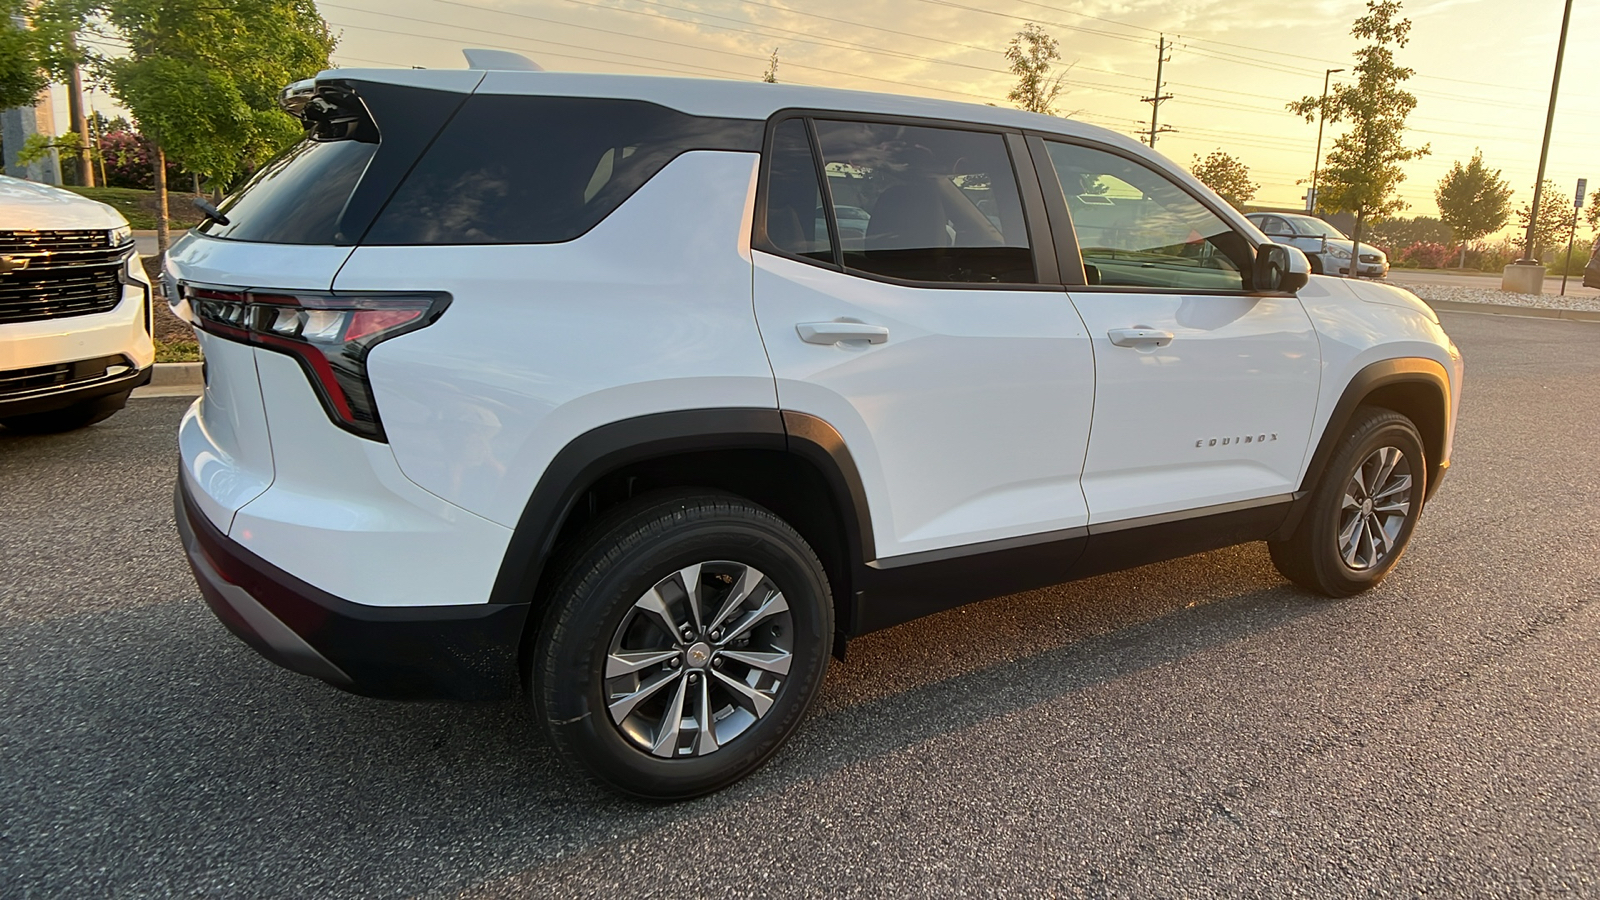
[[1389, 295], [27, 206]]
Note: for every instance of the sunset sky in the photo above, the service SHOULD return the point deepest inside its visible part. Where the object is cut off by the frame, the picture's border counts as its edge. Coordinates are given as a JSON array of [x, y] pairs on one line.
[[1483, 72]]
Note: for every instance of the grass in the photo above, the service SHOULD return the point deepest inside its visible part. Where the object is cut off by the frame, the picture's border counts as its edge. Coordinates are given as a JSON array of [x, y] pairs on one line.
[[139, 206], [177, 351]]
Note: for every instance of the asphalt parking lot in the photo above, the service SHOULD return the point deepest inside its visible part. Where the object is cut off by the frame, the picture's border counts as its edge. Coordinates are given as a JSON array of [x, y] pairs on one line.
[[1190, 729]]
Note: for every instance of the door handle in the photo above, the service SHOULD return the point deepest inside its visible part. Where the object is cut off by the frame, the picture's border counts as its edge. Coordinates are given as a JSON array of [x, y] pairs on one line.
[[834, 332], [1139, 337]]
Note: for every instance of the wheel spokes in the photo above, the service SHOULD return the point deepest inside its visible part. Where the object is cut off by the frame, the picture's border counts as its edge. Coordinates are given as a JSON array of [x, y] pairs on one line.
[[690, 577], [776, 663], [619, 664], [746, 583], [671, 723], [622, 707], [652, 604], [705, 716], [746, 696], [774, 604]]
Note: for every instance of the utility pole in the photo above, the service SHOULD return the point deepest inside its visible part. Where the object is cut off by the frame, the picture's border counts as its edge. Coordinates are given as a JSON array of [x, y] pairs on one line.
[[80, 125], [1155, 102], [1544, 151], [1316, 164]]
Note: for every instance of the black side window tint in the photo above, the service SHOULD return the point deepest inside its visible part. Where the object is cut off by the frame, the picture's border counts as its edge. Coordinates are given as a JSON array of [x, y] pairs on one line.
[[297, 198], [796, 220], [538, 170], [926, 204], [1138, 229]]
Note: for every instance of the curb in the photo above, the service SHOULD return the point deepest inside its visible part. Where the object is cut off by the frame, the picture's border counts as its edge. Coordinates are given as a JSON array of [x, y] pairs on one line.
[[170, 375], [1527, 312]]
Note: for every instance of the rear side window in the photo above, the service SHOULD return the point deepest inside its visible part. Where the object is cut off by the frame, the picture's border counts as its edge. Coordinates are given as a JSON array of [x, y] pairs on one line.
[[796, 220], [925, 204], [513, 169], [297, 198]]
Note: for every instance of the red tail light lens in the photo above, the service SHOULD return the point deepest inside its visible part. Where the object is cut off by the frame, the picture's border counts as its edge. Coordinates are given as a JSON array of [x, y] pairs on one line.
[[330, 334]]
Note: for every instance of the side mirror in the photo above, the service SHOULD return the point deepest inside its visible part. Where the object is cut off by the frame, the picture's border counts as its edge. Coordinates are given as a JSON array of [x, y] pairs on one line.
[[1281, 268]]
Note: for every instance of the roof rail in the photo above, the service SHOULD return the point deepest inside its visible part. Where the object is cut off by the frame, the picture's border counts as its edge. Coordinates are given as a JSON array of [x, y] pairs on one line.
[[503, 60]]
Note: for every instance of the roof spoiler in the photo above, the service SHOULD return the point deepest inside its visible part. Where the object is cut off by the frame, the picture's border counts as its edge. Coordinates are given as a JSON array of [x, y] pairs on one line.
[[501, 60]]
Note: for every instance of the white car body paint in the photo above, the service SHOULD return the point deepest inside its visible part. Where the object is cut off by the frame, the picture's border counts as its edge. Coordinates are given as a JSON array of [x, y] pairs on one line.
[[967, 425], [649, 312], [1219, 415]]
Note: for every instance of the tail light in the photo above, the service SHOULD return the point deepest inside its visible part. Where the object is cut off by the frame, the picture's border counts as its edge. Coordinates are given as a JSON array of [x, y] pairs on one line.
[[330, 334]]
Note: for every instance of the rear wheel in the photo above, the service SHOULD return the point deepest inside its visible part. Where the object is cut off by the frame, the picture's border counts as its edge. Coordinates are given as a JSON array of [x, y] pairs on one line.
[[1363, 511], [72, 417], [685, 643]]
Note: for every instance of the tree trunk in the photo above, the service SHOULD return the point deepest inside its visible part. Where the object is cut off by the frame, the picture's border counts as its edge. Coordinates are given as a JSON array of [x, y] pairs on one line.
[[80, 125], [163, 221], [1463, 255], [1355, 242]]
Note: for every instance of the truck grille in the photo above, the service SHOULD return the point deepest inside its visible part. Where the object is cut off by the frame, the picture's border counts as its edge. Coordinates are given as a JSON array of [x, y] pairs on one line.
[[53, 274]]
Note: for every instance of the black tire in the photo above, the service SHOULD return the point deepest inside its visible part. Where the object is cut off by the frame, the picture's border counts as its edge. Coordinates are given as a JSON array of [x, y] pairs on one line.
[[1317, 557], [636, 550], [69, 418]]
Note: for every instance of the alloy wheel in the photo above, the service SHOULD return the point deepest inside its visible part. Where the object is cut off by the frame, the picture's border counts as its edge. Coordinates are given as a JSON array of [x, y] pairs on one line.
[[1376, 503], [698, 659]]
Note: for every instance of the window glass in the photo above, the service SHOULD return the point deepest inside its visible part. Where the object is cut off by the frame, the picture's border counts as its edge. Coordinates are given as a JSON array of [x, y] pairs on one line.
[[297, 198], [536, 170], [1272, 225], [796, 221], [925, 204], [1137, 228]]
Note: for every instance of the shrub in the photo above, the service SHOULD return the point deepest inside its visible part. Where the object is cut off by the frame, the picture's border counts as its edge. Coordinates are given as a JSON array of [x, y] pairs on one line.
[[1426, 255]]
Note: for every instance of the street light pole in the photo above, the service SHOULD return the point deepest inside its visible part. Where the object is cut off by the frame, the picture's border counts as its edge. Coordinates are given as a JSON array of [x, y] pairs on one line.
[[1316, 164], [1544, 151]]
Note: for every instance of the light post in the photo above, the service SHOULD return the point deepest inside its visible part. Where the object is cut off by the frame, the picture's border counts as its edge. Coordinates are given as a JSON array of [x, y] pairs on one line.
[[1316, 164], [1526, 276]]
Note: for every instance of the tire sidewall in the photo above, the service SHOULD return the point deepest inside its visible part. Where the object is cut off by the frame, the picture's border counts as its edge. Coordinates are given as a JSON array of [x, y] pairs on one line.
[[571, 691]]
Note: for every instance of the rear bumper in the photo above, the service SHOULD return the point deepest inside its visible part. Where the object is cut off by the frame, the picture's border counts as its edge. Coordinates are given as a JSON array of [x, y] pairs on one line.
[[462, 652]]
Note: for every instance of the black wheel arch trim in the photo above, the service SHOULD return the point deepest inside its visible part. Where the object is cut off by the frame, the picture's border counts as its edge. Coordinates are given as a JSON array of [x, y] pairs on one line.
[[598, 452], [1372, 378]]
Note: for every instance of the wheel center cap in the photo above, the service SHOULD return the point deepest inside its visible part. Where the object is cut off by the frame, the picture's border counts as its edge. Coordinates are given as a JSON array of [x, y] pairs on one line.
[[698, 655], [1366, 506]]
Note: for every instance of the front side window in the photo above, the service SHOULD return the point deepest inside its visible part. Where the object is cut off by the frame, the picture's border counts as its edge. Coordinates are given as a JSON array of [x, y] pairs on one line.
[[1136, 228], [925, 204]]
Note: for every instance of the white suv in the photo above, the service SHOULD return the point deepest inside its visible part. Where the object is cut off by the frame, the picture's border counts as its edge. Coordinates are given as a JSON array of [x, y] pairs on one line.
[[75, 327], [578, 383]]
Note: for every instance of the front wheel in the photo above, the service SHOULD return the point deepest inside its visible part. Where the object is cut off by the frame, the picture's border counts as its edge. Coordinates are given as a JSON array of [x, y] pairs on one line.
[[1362, 512], [684, 645]]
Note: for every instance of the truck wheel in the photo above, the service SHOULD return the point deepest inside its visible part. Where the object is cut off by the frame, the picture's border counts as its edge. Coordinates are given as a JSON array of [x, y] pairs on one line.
[[684, 644], [1363, 510], [71, 417]]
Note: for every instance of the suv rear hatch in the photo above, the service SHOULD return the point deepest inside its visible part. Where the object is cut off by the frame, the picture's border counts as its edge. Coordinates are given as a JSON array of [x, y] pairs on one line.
[[287, 232]]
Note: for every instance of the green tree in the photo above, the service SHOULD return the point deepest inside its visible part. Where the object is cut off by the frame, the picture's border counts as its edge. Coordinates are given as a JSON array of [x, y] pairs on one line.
[[22, 74], [770, 76], [1226, 175], [1555, 220], [202, 78], [1032, 54], [1362, 174], [1473, 201], [1592, 212]]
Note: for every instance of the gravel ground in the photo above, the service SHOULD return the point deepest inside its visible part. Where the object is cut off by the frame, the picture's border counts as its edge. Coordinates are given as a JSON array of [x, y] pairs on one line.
[[1458, 294]]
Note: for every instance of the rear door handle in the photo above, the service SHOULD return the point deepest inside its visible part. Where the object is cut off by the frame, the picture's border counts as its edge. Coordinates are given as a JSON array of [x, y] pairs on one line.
[[1139, 337], [834, 332]]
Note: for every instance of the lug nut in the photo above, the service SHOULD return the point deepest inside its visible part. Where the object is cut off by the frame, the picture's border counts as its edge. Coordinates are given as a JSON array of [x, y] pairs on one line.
[[716, 634], [694, 677], [716, 661], [676, 662]]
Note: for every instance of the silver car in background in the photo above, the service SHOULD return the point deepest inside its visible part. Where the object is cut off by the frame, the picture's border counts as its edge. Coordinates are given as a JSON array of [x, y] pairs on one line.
[[1328, 248]]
